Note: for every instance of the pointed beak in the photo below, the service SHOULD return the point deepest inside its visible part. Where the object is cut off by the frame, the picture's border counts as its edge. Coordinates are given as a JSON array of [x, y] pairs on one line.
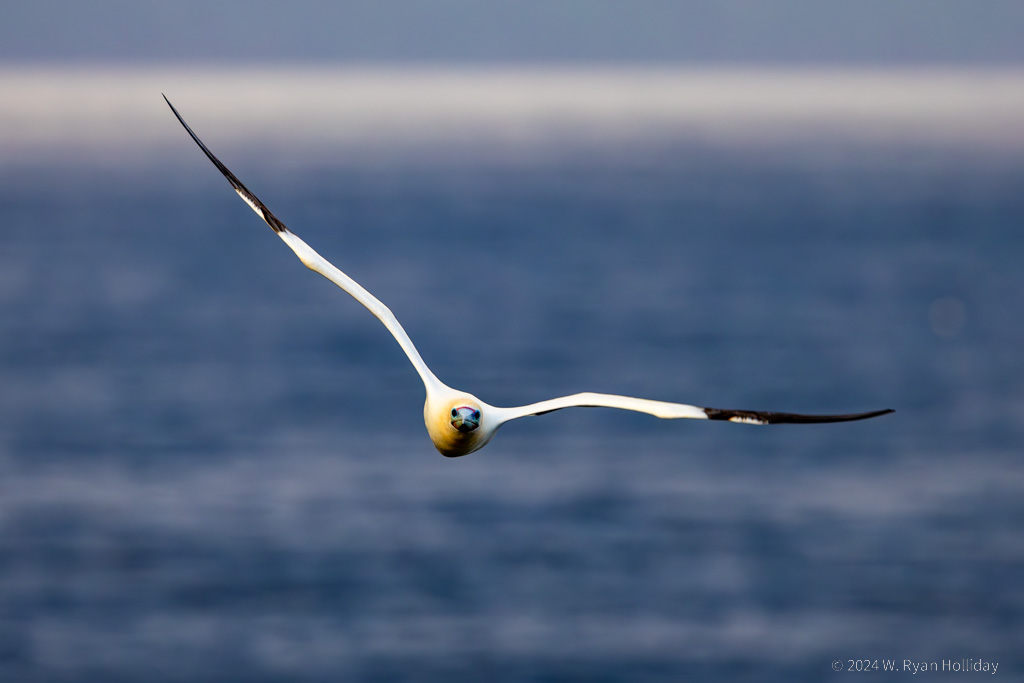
[[466, 419]]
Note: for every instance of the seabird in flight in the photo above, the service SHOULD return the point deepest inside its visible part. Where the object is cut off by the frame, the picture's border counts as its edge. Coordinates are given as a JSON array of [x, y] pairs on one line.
[[458, 422]]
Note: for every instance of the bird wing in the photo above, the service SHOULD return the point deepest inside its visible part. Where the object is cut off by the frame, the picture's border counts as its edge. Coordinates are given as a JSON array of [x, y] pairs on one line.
[[672, 411], [318, 263]]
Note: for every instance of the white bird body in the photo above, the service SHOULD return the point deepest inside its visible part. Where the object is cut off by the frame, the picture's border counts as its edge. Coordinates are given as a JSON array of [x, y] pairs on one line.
[[458, 422]]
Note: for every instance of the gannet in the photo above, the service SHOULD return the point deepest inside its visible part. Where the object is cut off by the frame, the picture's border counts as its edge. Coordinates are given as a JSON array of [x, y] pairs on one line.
[[458, 422]]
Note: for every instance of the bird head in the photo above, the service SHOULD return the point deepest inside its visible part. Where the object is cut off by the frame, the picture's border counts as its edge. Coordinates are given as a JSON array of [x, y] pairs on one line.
[[458, 423], [465, 418]]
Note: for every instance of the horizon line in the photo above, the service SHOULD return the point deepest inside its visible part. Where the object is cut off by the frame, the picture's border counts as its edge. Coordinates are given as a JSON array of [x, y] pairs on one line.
[[119, 107]]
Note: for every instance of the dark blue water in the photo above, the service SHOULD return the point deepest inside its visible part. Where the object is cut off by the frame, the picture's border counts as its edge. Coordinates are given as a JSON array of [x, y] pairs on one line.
[[213, 465]]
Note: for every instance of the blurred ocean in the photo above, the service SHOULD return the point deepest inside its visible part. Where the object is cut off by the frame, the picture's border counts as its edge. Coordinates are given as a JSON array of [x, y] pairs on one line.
[[213, 465]]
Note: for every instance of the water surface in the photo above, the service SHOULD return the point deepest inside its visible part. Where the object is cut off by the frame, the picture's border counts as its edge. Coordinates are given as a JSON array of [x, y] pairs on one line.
[[213, 465]]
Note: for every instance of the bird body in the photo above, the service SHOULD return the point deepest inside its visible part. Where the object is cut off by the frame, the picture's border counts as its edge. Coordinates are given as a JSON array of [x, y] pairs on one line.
[[458, 422]]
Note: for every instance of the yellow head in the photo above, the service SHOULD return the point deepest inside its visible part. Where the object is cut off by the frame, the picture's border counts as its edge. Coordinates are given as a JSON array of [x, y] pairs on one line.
[[457, 426]]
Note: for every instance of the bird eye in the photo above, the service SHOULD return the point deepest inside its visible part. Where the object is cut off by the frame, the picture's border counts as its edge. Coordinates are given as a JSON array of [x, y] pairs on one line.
[[476, 414], [455, 413]]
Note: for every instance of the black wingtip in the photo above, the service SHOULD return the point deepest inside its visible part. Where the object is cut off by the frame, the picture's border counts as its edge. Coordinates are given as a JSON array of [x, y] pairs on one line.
[[765, 418], [244, 192], [172, 108]]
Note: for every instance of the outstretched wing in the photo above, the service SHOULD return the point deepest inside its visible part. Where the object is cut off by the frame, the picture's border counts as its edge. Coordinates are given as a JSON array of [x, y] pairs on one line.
[[318, 263], [672, 411]]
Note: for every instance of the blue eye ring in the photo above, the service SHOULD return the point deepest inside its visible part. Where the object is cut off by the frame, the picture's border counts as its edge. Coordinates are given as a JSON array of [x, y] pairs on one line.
[[476, 414], [455, 412]]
